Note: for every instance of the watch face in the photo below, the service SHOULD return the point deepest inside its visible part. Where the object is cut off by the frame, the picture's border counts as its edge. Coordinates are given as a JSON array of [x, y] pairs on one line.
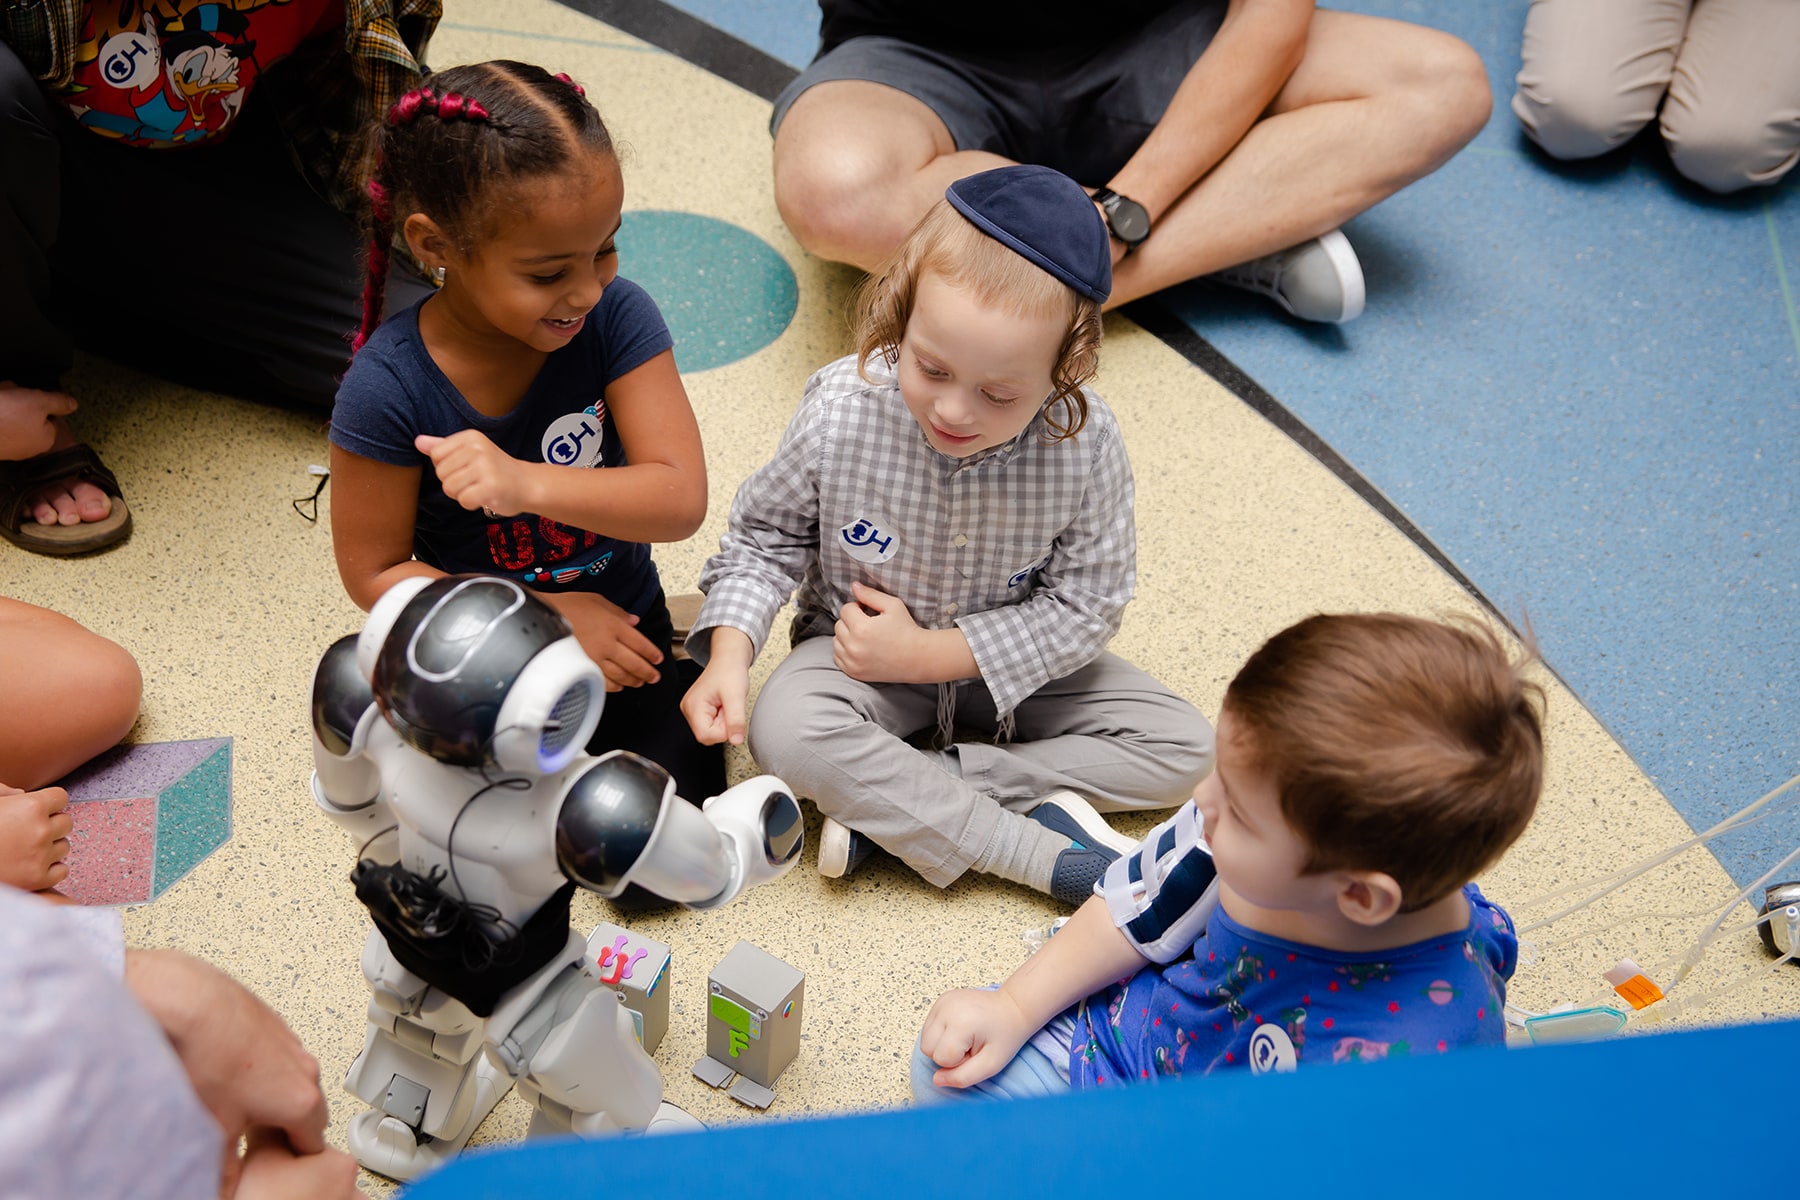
[[1128, 220]]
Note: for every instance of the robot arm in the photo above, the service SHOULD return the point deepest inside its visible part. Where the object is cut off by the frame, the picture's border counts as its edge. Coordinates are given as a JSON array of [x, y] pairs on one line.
[[345, 783], [620, 823]]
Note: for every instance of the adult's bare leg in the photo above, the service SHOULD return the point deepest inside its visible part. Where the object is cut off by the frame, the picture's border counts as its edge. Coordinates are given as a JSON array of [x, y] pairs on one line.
[[1374, 105], [858, 163]]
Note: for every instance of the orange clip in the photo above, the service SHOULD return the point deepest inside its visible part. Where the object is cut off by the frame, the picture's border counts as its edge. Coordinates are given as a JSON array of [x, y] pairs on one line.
[[1628, 979]]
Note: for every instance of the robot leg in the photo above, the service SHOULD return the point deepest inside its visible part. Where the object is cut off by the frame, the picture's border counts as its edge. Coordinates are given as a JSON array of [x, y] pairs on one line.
[[422, 1070], [577, 1060]]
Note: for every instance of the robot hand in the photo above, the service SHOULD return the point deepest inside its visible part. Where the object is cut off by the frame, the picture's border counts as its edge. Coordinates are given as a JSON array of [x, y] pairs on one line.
[[762, 821], [622, 823]]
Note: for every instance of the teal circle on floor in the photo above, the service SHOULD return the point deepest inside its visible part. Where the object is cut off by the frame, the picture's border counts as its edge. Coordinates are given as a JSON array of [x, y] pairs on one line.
[[724, 291]]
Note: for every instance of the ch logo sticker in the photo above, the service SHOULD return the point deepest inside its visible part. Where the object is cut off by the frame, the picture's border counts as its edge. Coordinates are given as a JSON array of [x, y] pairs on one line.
[[1271, 1050], [132, 60], [867, 542], [573, 440]]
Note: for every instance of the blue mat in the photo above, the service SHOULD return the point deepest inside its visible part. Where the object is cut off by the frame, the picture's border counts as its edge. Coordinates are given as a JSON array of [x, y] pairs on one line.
[[1582, 383]]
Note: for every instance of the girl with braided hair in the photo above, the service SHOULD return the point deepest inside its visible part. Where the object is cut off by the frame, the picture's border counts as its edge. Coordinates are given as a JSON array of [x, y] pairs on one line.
[[526, 419]]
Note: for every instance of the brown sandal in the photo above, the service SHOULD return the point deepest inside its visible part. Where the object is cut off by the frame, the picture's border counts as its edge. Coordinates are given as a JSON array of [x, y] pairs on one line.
[[25, 477]]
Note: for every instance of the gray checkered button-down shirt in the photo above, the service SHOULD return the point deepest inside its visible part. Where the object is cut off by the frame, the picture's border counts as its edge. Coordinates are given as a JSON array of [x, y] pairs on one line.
[[1029, 548]]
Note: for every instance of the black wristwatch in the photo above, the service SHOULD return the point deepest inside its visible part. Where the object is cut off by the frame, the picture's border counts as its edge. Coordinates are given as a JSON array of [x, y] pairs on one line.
[[1125, 217]]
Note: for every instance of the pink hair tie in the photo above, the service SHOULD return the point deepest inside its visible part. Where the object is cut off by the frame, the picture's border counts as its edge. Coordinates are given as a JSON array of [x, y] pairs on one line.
[[579, 90], [408, 107]]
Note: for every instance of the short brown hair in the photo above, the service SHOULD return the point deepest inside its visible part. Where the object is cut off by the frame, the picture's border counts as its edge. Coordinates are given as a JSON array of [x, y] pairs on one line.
[[944, 241], [1398, 744]]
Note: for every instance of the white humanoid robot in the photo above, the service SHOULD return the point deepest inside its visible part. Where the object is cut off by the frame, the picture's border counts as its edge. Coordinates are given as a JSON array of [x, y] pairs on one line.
[[448, 737]]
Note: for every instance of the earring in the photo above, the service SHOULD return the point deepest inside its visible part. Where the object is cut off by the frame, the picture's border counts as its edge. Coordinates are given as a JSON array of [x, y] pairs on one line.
[[437, 274]]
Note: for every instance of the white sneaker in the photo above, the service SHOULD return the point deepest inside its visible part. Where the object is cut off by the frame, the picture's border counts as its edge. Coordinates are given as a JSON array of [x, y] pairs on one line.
[[1318, 280], [841, 849], [1072, 816]]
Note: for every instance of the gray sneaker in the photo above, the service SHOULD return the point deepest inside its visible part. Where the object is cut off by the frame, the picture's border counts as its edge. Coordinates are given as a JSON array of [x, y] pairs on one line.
[[1318, 280]]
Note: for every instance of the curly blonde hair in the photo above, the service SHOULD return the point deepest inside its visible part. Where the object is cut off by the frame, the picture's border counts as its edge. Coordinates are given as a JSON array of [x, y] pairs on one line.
[[945, 243]]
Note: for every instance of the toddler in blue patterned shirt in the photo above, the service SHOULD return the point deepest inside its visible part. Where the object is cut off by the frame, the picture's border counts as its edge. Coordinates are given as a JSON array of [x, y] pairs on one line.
[[1312, 904], [955, 507]]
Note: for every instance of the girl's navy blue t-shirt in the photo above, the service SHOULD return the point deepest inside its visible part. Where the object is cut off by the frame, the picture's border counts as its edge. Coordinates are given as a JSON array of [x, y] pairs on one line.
[[393, 392]]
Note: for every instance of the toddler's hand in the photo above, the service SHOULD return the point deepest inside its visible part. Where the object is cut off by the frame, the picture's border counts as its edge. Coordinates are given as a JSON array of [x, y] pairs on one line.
[[971, 1033], [34, 837], [609, 635], [714, 706], [475, 473], [878, 648]]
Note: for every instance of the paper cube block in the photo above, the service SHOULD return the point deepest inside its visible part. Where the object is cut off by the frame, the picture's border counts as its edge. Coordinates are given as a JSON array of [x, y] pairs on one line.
[[753, 1012], [636, 968], [144, 817]]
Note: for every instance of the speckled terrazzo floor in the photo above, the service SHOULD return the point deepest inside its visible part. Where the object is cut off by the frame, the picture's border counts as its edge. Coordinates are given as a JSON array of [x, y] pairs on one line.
[[226, 597]]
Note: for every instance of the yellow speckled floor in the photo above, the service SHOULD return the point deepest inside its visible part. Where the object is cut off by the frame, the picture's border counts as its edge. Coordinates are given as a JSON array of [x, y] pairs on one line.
[[227, 598]]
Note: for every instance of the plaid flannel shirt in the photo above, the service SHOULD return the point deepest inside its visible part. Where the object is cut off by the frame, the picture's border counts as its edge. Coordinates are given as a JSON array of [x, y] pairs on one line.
[[1029, 548], [327, 94]]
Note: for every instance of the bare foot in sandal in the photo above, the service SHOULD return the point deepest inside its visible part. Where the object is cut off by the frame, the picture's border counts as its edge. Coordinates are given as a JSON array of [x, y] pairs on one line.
[[31, 424]]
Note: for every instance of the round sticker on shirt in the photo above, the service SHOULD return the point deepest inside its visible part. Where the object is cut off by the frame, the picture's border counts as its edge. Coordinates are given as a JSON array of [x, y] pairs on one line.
[[1271, 1050], [574, 440], [868, 541], [131, 60]]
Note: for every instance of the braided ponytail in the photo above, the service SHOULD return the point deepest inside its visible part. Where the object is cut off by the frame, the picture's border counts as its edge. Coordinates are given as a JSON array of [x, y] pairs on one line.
[[381, 214]]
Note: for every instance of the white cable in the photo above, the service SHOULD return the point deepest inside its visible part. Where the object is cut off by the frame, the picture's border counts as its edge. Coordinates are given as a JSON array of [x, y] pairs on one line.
[[1693, 956], [1619, 879]]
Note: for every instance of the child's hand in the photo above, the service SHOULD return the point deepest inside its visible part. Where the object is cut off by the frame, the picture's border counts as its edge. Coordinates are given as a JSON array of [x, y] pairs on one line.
[[880, 648], [714, 706], [609, 635], [34, 837], [476, 473], [971, 1033]]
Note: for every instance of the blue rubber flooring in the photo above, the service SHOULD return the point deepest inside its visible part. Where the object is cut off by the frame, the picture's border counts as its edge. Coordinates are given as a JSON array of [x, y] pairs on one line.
[[1582, 382]]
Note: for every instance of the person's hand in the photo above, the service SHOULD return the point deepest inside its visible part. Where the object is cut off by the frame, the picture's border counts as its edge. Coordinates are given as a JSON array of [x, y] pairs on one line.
[[971, 1033], [28, 419], [876, 638], [476, 473], [609, 635], [270, 1170], [714, 706], [34, 837], [244, 1063]]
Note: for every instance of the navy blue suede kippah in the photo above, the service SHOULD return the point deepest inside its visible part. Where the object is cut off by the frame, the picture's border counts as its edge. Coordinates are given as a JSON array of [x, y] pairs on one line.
[[1044, 216]]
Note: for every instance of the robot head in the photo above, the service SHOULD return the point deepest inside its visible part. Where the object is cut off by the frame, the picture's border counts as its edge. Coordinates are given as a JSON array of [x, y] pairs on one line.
[[474, 670]]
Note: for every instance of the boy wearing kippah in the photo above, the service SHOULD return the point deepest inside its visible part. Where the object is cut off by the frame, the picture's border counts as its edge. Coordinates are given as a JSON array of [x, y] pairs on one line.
[[955, 507], [1312, 904]]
